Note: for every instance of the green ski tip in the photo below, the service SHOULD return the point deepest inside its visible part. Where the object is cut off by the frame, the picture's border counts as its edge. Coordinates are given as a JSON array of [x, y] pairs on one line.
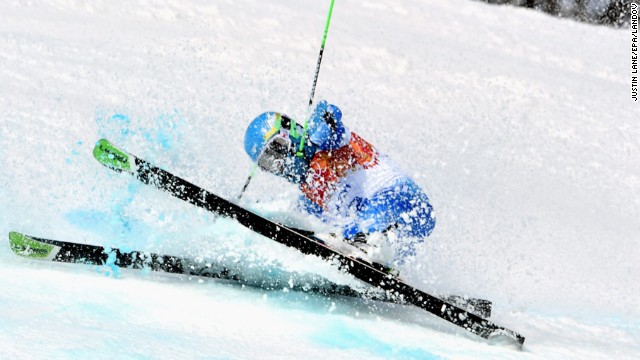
[[25, 246], [112, 157]]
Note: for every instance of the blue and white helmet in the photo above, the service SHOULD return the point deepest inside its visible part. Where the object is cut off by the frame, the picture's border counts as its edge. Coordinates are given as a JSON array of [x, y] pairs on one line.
[[272, 141]]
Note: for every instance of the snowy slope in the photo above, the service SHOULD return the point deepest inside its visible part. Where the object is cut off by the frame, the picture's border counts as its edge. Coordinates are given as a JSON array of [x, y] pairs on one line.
[[518, 125]]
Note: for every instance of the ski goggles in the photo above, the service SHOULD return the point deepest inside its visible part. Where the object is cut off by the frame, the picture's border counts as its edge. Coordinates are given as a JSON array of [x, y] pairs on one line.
[[275, 154], [280, 152]]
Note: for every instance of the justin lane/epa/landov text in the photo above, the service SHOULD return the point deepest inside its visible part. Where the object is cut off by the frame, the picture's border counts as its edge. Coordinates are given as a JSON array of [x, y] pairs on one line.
[[634, 51]]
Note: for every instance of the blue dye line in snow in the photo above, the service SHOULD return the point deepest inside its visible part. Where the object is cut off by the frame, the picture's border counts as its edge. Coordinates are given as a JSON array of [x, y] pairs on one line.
[[111, 265], [120, 127], [344, 337], [74, 152], [111, 225], [167, 124]]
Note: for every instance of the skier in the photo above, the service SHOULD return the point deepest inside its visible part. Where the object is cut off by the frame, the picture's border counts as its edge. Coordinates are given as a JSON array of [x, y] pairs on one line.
[[344, 181]]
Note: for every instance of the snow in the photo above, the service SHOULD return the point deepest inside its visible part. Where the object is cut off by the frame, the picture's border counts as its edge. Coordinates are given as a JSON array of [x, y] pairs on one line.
[[519, 126]]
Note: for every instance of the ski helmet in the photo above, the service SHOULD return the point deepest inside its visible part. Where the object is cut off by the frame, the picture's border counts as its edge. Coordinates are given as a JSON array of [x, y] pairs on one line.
[[272, 140]]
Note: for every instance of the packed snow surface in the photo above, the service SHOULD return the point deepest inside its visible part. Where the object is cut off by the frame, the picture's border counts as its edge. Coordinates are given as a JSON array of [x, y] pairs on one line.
[[518, 125]]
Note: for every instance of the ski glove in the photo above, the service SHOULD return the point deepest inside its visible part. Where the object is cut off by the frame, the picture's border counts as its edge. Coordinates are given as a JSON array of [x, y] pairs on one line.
[[326, 129]]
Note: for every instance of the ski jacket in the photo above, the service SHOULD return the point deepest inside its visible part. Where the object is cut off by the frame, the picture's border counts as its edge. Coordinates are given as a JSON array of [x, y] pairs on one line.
[[351, 184]]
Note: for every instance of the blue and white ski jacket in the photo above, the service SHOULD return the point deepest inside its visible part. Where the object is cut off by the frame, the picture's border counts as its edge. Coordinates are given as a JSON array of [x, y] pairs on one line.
[[351, 185]]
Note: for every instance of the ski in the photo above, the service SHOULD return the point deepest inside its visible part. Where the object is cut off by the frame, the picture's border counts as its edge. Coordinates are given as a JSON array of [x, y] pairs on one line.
[[120, 161], [36, 248]]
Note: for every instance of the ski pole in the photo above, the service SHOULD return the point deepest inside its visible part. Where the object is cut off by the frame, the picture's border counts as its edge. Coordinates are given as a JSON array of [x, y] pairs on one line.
[[313, 91], [324, 40], [315, 81], [246, 184]]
